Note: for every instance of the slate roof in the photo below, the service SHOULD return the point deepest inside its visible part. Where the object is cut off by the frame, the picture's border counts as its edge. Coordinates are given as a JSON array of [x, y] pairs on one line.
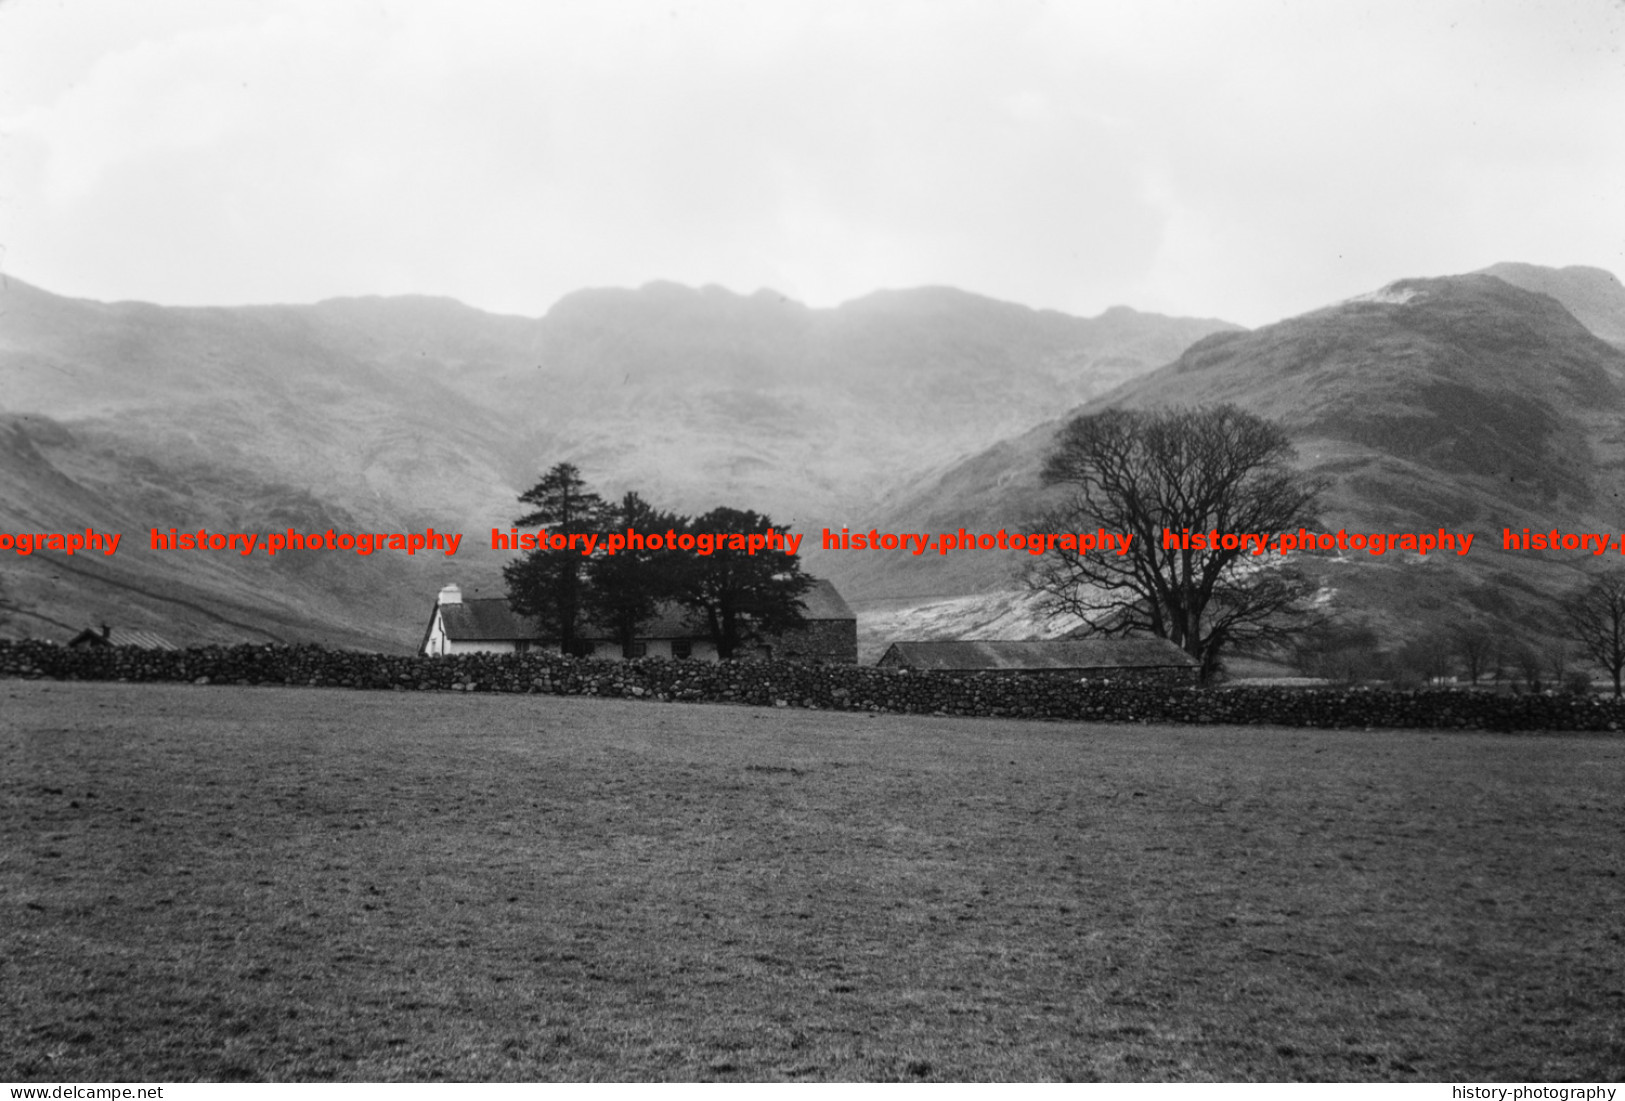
[[670, 621], [823, 601], [1096, 653], [121, 636], [486, 619]]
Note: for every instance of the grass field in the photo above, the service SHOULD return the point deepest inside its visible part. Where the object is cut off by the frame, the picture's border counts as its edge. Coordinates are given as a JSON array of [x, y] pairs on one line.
[[266, 883]]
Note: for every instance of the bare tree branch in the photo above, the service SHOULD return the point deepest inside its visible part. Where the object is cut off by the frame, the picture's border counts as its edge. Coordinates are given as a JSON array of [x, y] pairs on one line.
[[1203, 471], [1596, 620]]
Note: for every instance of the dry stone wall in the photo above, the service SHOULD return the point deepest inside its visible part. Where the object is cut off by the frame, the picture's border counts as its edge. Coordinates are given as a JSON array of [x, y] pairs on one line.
[[828, 687]]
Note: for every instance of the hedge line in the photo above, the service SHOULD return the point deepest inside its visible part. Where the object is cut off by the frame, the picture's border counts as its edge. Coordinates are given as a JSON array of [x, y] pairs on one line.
[[831, 687]]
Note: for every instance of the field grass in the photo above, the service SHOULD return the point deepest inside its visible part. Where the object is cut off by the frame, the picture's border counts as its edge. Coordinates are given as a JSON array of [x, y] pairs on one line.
[[266, 883]]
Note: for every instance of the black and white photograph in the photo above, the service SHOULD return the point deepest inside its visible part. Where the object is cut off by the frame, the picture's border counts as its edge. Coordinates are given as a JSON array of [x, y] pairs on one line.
[[812, 541]]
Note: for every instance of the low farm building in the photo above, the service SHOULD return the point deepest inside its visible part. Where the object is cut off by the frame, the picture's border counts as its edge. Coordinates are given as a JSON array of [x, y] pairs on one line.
[[486, 625], [93, 637], [830, 634], [477, 626], [1128, 658]]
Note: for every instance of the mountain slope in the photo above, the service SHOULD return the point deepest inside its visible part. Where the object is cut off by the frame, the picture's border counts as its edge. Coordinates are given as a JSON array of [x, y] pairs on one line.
[[1462, 402], [1595, 297], [399, 414], [706, 397]]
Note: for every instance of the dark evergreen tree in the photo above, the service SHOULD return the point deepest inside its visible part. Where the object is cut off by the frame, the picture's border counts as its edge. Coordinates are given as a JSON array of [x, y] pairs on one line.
[[627, 588], [738, 596], [551, 584]]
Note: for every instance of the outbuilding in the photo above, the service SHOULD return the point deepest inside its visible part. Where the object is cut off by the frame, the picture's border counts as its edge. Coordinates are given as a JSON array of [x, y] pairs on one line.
[[94, 638], [478, 626]]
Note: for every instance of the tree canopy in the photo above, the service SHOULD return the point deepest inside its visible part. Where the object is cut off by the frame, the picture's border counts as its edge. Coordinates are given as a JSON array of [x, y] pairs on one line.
[[741, 596], [626, 589], [738, 593], [551, 584], [1183, 471]]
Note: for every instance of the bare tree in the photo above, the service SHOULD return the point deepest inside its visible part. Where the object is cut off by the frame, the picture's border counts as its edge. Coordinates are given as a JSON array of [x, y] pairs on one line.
[[1557, 663], [1528, 662], [1596, 621], [1427, 658], [1479, 649], [10, 606], [1209, 473], [1339, 652]]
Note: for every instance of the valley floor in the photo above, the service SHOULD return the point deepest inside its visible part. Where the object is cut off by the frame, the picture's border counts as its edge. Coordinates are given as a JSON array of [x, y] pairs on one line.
[[268, 883]]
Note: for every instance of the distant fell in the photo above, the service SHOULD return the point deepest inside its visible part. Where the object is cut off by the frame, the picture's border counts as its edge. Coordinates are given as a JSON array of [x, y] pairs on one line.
[[1595, 297], [1465, 375]]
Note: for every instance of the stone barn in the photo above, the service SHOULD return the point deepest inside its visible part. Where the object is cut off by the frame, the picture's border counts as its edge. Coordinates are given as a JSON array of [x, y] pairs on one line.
[[830, 635]]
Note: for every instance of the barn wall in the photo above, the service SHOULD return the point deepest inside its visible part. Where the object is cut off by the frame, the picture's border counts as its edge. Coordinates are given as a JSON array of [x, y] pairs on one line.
[[826, 640]]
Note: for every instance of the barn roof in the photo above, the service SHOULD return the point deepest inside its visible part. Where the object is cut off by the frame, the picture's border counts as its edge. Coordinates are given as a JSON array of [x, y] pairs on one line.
[[486, 619], [121, 636], [823, 601], [1095, 653]]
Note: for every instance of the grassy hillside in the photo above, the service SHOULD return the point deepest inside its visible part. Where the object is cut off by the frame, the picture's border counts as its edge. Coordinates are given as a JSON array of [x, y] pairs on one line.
[[282, 884], [53, 478]]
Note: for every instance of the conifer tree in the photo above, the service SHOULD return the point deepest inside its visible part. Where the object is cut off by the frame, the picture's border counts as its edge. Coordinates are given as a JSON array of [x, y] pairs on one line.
[[740, 597], [628, 587], [549, 584]]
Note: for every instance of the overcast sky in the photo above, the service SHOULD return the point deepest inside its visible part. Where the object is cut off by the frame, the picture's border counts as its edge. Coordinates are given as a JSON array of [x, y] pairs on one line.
[[1244, 160]]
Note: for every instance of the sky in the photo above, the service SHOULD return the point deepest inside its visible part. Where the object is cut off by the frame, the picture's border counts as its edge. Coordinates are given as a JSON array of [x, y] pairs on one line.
[[1240, 159]]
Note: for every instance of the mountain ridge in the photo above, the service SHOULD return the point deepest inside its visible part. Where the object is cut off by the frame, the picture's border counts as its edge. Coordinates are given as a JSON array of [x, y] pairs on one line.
[[1594, 296], [391, 413], [1474, 400], [1455, 400]]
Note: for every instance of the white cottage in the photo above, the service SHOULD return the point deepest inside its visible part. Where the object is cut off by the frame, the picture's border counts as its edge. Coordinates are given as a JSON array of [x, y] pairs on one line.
[[479, 626]]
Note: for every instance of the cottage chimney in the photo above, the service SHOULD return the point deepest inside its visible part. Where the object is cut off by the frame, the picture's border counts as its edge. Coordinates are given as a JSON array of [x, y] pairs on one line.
[[451, 594], [107, 632]]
